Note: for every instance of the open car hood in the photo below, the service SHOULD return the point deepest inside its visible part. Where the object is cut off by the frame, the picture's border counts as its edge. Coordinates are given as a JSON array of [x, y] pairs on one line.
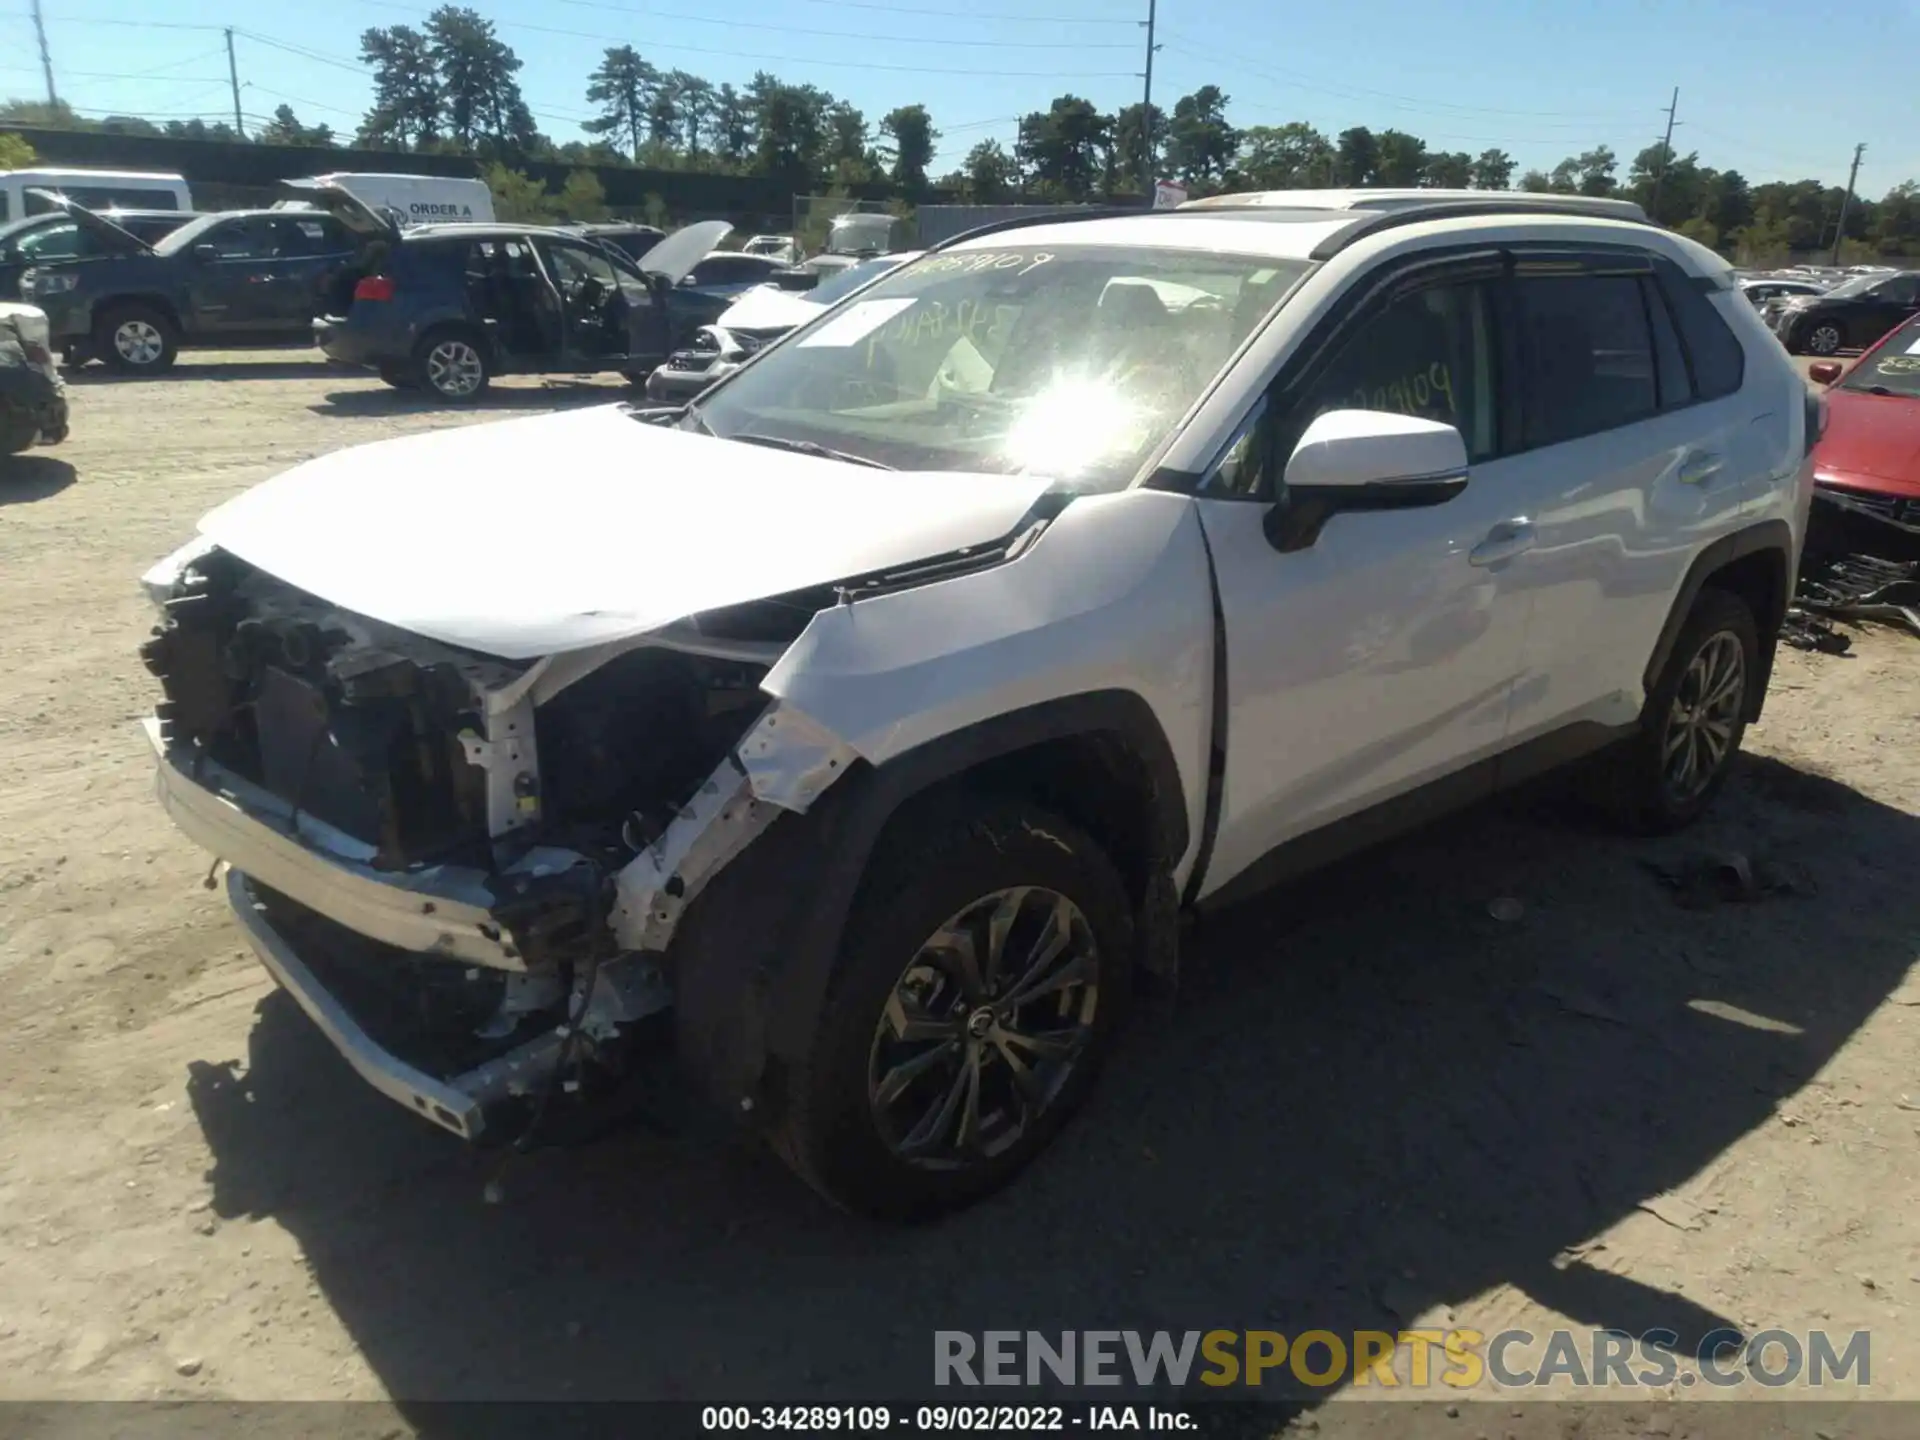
[[117, 240], [351, 211], [532, 537], [675, 256]]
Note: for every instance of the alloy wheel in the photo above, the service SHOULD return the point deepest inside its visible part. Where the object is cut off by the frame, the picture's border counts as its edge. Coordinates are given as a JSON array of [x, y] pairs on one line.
[[1824, 340], [1705, 714], [983, 1028], [138, 342], [454, 369]]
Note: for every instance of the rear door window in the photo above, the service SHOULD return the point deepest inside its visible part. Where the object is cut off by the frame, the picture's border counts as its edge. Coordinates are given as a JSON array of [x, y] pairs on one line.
[[240, 240], [1717, 361], [1587, 353]]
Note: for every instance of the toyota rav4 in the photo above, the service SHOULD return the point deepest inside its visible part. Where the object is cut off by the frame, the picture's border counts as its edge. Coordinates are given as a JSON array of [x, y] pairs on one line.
[[857, 734]]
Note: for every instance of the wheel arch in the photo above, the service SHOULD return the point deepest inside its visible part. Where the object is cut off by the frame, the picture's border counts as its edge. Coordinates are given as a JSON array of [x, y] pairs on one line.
[[754, 956], [1755, 564], [162, 304]]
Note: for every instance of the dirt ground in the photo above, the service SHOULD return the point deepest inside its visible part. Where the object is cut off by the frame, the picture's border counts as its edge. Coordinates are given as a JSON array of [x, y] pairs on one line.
[[1371, 1102]]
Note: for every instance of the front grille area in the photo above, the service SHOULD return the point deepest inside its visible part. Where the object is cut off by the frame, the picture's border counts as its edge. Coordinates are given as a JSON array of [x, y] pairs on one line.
[[1887, 507], [283, 690]]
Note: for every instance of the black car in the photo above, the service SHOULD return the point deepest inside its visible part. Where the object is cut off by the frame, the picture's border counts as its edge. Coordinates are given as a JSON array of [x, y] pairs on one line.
[[633, 241], [448, 307], [1851, 315], [44, 239], [239, 278]]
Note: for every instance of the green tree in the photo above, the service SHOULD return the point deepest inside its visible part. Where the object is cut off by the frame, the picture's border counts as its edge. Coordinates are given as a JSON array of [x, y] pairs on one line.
[[1062, 149], [1536, 182], [15, 153], [694, 99], [285, 129], [406, 90], [1200, 143], [733, 133], [790, 133], [623, 89], [990, 173], [1137, 128], [517, 196], [1294, 156], [1403, 158], [1493, 170], [481, 99], [1596, 171], [1356, 157], [582, 198], [1448, 170], [849, 151], [910, 128]]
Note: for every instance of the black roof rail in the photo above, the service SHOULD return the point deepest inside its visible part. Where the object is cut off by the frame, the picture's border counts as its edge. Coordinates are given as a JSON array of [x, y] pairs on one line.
[[1364, 222], [1050, 217], [1372, 222]]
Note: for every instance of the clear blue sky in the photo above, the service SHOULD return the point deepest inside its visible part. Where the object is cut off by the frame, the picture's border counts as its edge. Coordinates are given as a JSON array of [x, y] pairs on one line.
[[1542, 82]]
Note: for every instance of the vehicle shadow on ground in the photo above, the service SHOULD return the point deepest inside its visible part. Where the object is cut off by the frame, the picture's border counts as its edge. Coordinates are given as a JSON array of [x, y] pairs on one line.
[[553, 395], [1369, 1097], [278, 368], [25, 478]]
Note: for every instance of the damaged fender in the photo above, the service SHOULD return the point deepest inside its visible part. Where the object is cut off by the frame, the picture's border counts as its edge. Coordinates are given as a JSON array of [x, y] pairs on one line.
[[1074, 638]]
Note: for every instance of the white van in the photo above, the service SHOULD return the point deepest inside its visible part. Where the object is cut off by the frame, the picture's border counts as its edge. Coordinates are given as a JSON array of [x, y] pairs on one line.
[[418, 199], [95, 189]]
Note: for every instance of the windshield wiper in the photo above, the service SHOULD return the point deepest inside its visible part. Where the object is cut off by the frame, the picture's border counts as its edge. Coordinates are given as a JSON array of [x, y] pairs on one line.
[[808, 447]]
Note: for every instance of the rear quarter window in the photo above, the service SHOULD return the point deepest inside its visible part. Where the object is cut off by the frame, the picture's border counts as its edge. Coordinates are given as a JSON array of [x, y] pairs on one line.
[[1719, 364]]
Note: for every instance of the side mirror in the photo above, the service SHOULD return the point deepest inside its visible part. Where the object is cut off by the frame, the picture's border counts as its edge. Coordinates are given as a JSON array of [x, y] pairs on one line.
[[1364, 460], [1824, 372], [205, 251]]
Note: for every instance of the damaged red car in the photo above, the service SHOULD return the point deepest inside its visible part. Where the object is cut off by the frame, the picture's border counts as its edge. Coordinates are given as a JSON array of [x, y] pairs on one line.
[[1868, 461]]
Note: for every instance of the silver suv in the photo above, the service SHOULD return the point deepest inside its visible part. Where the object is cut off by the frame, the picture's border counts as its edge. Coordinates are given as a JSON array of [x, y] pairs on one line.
[[857, 733]]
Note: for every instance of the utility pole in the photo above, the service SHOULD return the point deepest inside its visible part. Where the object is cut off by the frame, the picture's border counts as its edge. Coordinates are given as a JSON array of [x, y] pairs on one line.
[[1666, 158], [46, 60], [233, 78], [1840, 229], [1146, 113]]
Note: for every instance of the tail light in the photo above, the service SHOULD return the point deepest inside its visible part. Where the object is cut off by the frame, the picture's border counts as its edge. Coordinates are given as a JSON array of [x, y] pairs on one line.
[[374, 287]]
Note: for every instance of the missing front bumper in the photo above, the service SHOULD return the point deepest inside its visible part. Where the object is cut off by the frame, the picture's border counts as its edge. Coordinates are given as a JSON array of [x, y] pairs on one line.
[[461, 1104]]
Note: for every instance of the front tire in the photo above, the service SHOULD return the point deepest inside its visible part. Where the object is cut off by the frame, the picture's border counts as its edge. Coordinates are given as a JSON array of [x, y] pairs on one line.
[[136, 340], [1694, 719], [981, 983], [453, 365]]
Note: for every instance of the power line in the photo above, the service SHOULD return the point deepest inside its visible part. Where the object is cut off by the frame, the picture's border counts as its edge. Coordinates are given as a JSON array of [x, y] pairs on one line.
[[1408, 102], [144, 75], [840, 34], [970, 14]]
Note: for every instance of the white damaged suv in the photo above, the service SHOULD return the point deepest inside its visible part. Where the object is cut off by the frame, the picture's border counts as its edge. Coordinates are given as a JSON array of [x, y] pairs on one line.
[[859, 732]]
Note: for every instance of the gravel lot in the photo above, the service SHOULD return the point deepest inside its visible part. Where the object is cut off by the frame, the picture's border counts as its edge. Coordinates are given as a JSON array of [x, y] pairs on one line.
[[1371, 1101]]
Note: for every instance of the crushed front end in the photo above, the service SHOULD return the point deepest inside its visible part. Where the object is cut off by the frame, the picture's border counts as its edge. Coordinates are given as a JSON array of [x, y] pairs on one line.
[[475, 909], [33, 398]]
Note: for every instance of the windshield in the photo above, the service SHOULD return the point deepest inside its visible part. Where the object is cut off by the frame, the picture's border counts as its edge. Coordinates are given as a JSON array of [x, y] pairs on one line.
[[1858, 285], [184, 237], [850, 279], [1073, 362], [1893, 368]]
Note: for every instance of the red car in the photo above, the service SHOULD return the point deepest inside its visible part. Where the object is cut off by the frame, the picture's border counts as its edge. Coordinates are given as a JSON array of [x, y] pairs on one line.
[[1870, 453]]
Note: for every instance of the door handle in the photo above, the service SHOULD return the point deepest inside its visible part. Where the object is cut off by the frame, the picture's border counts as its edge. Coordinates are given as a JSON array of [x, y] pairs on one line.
[[1504, 541], [1699, 467]]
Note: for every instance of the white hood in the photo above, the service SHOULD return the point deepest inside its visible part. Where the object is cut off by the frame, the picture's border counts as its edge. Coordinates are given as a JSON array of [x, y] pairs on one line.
[[768, 307], [531, 537]]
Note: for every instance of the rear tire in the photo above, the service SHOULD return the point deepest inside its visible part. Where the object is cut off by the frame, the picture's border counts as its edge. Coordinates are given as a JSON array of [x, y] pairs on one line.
[[1695, 716], [136, 340], [1823, 338], [453, 365], [928, 1083]]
